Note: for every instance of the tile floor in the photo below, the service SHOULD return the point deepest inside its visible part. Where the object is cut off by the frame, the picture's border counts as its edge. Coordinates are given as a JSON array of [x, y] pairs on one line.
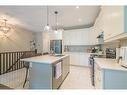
[[78, 78], [13, 79]]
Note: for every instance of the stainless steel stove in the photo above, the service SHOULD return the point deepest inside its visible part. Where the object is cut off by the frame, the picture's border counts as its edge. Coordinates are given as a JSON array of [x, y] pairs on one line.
[[91, 64]]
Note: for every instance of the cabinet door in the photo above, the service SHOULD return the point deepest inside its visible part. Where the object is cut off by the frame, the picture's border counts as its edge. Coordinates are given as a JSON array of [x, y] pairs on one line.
[[98, 26], [78, 37], [98, 77], [113, 18], [66, 37], [75, 58], [65, 67], [83, 59]]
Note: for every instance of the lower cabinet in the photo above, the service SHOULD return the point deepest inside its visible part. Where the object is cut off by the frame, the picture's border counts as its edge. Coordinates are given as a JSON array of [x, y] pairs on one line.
[[78, 58], [98, 77], [44, 76], [65, 67], [110, 79]]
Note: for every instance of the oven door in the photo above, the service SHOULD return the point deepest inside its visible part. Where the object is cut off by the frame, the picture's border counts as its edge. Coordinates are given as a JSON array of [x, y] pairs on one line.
[[91, 64]]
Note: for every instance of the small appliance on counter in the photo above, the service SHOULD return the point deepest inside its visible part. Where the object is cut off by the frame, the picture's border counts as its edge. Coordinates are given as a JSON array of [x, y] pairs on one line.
[[111, 53]]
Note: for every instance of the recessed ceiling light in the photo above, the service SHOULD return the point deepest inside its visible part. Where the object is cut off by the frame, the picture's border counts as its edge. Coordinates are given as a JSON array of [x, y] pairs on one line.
[[79, 19], [56, 31], [77, 7], [57, 23]]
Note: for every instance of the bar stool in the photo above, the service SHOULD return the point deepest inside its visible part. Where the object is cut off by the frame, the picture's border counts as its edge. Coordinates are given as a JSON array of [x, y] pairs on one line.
[[26, 65]]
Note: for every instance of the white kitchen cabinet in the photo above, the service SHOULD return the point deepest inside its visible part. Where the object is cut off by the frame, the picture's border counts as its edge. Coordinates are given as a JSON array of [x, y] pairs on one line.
[[79, 37], [78, 58], [66, 38], [98, 26], [83, 59], [107, 78], [98, 77], [111, 22]]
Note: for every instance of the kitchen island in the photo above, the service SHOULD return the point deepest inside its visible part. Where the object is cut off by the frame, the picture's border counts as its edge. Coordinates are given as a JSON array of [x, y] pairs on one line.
[[109, 74], [47, 72]]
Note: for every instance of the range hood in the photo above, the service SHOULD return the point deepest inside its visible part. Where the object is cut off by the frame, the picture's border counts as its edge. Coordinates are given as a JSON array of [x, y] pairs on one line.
[[116, 38]]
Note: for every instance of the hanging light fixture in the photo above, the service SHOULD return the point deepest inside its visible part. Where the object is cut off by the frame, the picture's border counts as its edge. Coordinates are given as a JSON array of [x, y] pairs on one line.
[[56, 27], [47, 27], [4, 28]]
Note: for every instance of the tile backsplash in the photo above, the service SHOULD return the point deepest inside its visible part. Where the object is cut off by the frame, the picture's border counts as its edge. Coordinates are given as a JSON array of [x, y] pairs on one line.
[[78, 48], [86, 48], [123, 43]]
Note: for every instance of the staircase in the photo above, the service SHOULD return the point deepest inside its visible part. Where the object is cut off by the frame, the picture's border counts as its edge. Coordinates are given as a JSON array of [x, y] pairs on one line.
[[12, 71]]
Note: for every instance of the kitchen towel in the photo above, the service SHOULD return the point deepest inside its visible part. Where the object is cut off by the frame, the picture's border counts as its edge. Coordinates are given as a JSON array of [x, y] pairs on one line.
[[58, 70]]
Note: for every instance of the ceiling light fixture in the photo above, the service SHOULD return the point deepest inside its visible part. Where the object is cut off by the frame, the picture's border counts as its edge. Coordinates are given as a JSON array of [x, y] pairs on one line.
[[56, 27], [4, 28], [79, 19], [77, 7], [47, 27]]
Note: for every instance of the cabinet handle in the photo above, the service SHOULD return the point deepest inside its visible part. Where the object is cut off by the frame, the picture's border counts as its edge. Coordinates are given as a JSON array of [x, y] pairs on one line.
[[54, 71]]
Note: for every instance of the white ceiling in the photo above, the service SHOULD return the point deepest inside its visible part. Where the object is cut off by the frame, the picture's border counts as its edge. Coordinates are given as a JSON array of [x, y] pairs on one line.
[[34, 17]]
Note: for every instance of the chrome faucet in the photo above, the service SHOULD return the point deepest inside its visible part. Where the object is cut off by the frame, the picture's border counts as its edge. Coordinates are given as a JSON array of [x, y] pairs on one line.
[[119, 58], [52, 52]]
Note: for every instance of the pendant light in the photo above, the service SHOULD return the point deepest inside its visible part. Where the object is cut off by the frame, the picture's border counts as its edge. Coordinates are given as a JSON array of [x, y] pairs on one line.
[[56, 28], [47, 27]]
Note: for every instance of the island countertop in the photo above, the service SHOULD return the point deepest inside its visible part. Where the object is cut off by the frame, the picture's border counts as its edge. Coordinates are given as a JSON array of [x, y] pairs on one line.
[[47, 59], [105, 63]]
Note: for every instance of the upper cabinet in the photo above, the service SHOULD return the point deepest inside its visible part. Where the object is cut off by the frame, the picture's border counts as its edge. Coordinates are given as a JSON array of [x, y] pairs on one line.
[[112, 22], [79, 37]]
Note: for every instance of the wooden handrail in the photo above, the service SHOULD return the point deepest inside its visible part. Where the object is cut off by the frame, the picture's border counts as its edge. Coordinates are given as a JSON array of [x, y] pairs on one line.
[[15, 52]]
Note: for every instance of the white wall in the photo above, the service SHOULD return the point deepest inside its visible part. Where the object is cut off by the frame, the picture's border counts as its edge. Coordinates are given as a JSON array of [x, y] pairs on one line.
[[46, 42], [39, 41], [18, 39]]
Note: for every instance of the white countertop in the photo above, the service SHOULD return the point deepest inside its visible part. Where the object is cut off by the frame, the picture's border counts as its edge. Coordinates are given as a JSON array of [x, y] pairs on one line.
[[97, 54], [105, 63], [47, 59]]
